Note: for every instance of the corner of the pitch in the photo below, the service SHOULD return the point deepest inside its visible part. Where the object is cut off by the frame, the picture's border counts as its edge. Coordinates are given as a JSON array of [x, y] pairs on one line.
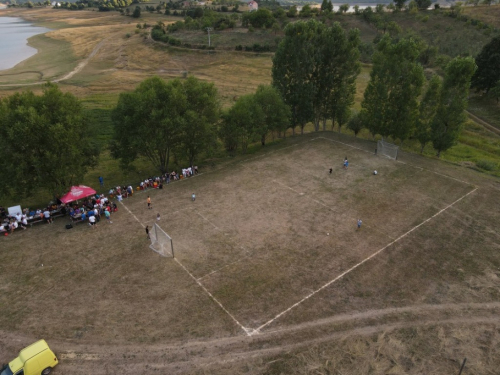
[[251, 331]]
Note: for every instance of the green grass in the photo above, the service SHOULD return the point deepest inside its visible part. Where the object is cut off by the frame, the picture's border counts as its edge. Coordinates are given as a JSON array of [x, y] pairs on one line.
[[54, 58], [228, 39], [486, 109], [451, 36]]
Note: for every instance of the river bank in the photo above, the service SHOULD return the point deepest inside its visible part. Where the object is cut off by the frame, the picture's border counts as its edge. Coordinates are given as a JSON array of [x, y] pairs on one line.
[[14, 44]]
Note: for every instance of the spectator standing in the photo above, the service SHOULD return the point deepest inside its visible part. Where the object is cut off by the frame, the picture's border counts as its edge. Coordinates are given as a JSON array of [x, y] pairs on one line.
[[101, 180], [92, 221], [108, 216], [46, 216]]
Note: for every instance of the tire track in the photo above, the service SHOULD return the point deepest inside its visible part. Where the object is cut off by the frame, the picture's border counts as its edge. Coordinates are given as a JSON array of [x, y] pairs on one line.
[[185, 357]]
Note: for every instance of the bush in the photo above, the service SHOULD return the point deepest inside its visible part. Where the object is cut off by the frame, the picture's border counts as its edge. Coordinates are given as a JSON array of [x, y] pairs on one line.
[[486, 165], [174, 42], [128, 35]]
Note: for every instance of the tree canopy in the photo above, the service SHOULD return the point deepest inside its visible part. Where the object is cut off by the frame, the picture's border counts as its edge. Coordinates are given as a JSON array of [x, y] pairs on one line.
[[252, 117], [427, 110], [159, 119], [450, 115], [487, 75], [45, 142], [390, 105], [315, 69]]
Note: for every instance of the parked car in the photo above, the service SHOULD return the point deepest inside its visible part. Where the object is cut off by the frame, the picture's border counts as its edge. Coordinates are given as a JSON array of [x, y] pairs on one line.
[[36, 359]]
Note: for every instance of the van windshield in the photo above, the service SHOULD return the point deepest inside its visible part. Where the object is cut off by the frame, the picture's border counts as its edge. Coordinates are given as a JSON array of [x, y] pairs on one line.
[[6, 371]]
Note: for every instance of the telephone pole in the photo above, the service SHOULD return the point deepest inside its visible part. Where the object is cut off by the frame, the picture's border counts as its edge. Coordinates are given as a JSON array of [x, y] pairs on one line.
[[208, 31]]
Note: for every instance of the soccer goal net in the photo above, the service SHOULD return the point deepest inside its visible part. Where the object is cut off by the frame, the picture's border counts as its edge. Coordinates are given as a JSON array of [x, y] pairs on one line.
[[387, 149], [161, 242]]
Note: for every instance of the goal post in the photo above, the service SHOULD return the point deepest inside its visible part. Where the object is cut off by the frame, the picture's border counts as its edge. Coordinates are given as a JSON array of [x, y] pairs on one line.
[[387, 149], [161, 242]]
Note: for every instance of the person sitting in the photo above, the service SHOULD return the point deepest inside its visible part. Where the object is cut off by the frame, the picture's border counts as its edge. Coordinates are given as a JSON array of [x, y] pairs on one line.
[[24, 222], [83, 217], [13, 226]]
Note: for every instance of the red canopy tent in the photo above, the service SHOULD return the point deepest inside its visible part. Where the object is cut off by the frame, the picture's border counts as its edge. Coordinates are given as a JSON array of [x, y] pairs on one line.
[[77, 192]]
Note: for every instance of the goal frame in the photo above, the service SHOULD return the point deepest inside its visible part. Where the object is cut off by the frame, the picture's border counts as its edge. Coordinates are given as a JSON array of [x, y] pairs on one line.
[[383, 147], [155, 232]]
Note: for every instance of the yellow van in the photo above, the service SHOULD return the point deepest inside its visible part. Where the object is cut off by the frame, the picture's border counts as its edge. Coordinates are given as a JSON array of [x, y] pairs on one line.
[[36, 359]]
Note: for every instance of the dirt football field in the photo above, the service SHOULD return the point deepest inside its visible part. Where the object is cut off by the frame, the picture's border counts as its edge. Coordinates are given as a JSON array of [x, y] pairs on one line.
[[271, 274]]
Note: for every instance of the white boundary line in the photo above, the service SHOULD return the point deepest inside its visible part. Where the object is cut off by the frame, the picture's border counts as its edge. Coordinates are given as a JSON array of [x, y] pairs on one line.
[[246, 330], [249, 331], [301, 194], [130, 212], [257, 330], [398, 161], [329, 208], [208, 221], [224, 266]]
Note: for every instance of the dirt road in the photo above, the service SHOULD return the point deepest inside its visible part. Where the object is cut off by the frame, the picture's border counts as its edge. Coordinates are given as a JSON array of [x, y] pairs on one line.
[[227, 355]]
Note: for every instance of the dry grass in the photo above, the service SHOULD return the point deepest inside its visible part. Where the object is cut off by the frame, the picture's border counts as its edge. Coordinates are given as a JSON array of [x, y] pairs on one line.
[[487, 14], [256, 239], [121, 63]]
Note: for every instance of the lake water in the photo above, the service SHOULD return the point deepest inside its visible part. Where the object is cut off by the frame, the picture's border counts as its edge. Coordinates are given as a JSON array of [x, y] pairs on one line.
[[14, 34]]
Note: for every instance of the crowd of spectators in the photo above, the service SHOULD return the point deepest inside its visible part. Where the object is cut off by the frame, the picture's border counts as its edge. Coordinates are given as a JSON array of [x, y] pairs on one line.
[[90, 209], [21, 219]]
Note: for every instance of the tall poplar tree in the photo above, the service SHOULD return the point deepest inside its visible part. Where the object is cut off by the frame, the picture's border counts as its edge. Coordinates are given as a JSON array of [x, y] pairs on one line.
[[334, 73], [390, 105], [315, 69], [450, 116], [427, 111], [292, 69]]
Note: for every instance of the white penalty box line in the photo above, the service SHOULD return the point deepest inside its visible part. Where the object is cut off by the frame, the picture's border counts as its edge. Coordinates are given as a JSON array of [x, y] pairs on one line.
[[397, 161], [257, 330], [247, 331]]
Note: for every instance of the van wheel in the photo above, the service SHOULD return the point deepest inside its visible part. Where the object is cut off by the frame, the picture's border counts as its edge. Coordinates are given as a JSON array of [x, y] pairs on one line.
[[47, 371]]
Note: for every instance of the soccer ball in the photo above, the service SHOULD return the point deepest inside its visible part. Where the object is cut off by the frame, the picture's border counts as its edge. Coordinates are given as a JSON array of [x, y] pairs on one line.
[[375, 172], [328, 234]]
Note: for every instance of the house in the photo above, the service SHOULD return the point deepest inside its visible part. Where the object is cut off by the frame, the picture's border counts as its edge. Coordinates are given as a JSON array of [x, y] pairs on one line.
[[253, 5]]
